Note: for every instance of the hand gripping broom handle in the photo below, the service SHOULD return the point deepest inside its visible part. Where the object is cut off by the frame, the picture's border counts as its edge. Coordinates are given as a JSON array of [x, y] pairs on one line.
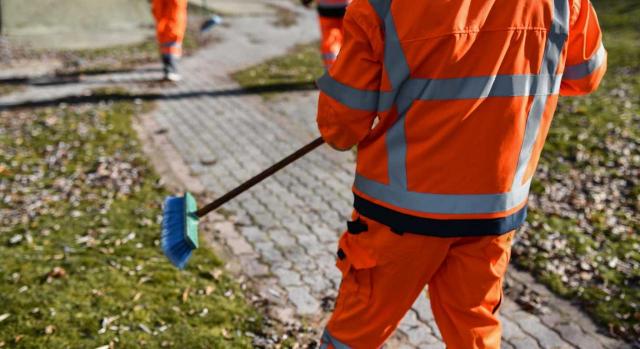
[[260, 177]]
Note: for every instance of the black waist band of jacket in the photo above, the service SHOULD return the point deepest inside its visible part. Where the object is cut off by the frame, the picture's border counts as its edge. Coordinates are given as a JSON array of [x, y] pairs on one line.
[[332, 12], [405, 223]]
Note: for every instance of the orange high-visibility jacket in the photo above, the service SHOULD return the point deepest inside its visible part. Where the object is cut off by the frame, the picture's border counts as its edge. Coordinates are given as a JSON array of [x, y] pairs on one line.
[[463, 92]]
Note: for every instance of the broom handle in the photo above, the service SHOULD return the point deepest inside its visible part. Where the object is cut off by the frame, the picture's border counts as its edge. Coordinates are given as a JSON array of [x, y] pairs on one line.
[[260, 177]]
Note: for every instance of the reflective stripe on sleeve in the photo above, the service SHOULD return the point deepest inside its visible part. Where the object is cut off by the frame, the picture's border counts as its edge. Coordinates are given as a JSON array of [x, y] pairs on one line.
[[352, 97], [171, 44], [586, 68]]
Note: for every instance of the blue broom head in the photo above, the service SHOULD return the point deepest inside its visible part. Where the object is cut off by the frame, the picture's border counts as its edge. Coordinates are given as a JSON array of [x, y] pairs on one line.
[[210, 23], [179, 229]]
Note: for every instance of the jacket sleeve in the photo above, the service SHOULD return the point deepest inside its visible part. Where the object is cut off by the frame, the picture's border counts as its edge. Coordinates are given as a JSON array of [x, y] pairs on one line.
[[349, 92], [586, 61]]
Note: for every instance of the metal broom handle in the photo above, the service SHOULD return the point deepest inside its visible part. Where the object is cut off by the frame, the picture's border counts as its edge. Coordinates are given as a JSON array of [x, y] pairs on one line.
[[260, 177]]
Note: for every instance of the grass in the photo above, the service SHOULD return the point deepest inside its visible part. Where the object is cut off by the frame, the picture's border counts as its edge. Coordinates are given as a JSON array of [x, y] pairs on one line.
[[6, 89], [593, 151], [299, 68], [81, 266], [582, 236]]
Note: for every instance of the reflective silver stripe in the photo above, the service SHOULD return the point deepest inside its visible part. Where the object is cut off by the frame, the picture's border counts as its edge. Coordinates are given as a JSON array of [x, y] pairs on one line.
[[482, 87], [329, 55], [555, 43], [355, 98], [327, 339], [586, 68], [443, 203], [556, 37], [171, 44], [440, 89], [333, 4]]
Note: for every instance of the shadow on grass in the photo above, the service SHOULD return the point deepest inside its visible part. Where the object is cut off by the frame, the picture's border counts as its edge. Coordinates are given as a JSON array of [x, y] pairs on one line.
[[154, 96]]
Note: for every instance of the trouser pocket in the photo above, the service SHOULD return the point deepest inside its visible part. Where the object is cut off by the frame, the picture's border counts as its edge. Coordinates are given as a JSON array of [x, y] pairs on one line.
[[356, 264]]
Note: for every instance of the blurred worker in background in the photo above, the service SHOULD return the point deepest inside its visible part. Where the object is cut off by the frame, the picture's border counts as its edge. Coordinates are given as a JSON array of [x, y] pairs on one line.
[[171, 23], [330, 13]]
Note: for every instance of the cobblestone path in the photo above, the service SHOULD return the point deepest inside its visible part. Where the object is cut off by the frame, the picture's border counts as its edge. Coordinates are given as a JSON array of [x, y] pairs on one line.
[[283, 233]]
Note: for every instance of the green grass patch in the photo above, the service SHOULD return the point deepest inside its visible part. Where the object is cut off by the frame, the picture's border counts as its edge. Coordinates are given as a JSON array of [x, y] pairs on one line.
[[6, 89], [81, 263], [297, 70], [582, 239]]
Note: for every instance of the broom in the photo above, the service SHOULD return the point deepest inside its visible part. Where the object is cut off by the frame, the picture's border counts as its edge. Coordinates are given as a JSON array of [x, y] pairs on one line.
[[212, 21], [181, 215]]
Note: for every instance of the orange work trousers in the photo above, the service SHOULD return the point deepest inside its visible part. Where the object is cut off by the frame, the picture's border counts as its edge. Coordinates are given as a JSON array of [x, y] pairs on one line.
[[171, 24], [331, 39], [384, 272]]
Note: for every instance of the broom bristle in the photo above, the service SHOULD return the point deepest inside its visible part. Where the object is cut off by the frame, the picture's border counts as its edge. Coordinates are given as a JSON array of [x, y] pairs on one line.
[[174, 242], [210, 23]]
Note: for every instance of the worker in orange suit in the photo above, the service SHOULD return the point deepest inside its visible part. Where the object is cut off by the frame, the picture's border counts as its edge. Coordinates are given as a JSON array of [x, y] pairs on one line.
[[330, 15], [171, 23], [449, 103]]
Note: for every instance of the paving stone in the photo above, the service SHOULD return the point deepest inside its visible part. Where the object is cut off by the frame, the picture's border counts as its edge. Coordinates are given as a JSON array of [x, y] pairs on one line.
[[304, 302], [271, 255], [306, 238], [282, 238], [422, 307], [253, 268], [410, 320], [317, 282], [254, 234], [506, 345], [547, 338], [573, 334], [265, 220], [239, 246], [288, 277], [420, 335], [300, 259], [317, 250], [524, 343], [324, 233]]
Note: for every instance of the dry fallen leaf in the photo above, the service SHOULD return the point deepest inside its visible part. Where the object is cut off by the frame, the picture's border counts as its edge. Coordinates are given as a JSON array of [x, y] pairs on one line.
[[137, 296], [56, 273], [216, 273], [185, 294]]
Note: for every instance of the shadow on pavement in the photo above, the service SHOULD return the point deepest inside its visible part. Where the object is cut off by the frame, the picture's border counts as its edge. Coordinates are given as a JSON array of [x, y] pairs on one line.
[[152, 96], [70, 77]]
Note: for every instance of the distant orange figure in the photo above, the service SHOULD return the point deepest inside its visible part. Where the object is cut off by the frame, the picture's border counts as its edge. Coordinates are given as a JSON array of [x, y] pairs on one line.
[[330, 13], [171, 24]]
